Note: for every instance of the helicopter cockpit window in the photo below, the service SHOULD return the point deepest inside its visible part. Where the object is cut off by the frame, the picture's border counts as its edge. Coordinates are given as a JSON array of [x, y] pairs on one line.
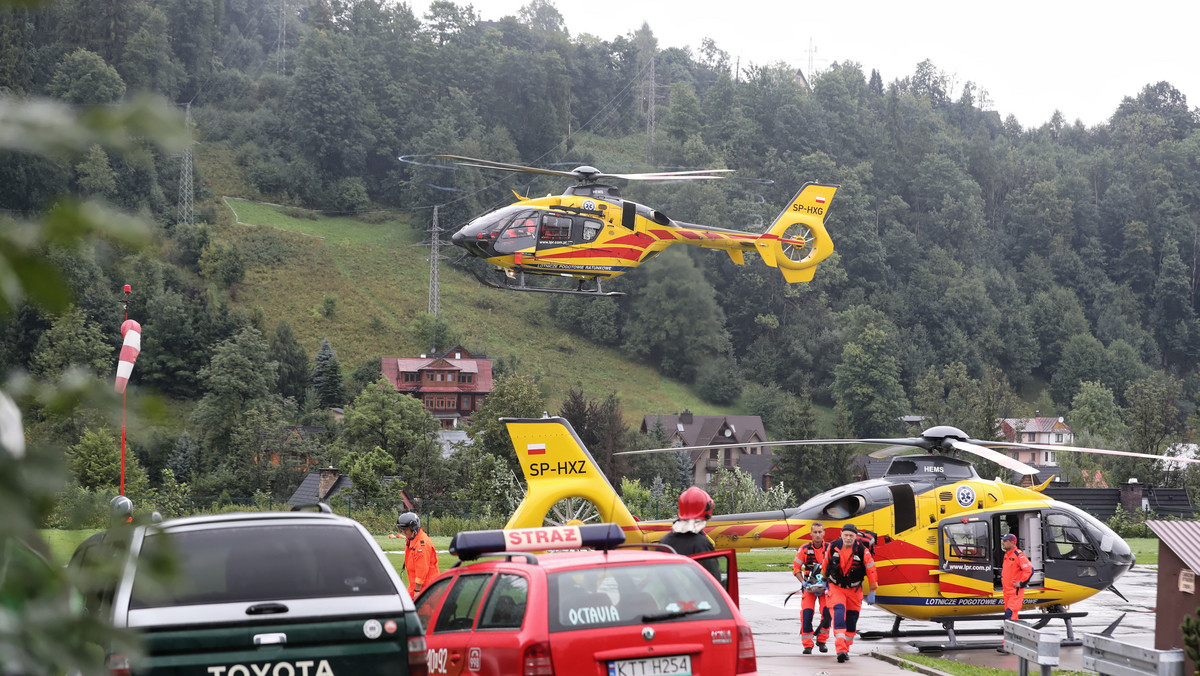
[[519, 234], [966, 541], [555, 229], [591, 229], [1065, 539]]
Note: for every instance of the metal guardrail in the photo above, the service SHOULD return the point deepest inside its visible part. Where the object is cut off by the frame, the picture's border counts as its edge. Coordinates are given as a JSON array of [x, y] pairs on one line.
[[1031, 645], [1111, 657]]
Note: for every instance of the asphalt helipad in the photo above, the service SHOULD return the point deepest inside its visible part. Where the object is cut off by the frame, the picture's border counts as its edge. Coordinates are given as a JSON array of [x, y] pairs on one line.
[[777, 628]]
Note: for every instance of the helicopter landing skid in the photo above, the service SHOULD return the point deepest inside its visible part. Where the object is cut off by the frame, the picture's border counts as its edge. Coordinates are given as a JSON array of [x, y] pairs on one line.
[[1039, 620], [521, 286]]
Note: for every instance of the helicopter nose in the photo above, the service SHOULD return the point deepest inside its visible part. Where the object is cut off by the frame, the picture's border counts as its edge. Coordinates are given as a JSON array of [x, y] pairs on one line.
[[457, 238]]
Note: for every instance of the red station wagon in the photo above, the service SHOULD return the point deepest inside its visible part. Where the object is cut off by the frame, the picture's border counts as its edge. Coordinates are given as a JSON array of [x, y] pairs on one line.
[[612, 612]]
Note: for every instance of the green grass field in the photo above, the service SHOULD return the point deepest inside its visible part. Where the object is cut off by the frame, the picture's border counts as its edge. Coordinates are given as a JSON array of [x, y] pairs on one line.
[[380, 283]]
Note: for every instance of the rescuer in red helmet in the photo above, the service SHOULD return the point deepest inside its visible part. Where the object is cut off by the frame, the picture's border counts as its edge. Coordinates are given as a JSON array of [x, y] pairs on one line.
[[687, 533]]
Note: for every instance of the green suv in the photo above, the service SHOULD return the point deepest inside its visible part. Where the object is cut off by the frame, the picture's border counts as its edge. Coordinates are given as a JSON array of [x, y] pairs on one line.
[[263, 594]]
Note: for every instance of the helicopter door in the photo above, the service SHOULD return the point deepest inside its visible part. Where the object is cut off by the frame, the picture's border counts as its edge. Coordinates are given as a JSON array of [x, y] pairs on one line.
[[965, 558], [557, 231], [1031, 544]]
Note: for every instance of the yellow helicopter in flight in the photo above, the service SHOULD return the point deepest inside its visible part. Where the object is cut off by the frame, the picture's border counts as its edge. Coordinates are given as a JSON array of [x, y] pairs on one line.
[[937, 524], [591, 234]]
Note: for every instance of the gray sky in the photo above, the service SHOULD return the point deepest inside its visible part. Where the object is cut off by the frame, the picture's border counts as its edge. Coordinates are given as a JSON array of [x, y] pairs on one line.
[[1032, 58]]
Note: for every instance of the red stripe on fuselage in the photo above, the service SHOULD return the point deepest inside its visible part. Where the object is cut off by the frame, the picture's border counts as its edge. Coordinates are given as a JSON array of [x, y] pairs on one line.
[[622, 254], [636, 239], [780, 531]]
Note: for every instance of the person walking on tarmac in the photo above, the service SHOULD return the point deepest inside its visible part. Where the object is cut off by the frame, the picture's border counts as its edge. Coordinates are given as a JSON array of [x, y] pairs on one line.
[[807, 567], [687, 533], [420, 559], [845, 568], [1014, 575]]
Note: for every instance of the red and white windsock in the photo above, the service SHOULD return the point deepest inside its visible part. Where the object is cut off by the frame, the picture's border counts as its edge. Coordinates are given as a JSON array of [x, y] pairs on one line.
[[129, 352]]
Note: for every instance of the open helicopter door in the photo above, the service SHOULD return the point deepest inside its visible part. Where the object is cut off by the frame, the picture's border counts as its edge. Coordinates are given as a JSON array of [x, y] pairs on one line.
[[1031, 543], [965, 557]]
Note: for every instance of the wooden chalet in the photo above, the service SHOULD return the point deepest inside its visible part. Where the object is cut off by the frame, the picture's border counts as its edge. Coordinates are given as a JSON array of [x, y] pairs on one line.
[[452, 385]]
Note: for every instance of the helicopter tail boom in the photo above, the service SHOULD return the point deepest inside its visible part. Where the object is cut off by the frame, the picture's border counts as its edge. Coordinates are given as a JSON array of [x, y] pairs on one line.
[[797, 240]]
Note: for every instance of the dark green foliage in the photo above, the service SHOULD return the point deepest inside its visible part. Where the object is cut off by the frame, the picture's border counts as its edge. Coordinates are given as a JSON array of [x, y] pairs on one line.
[[326, 377], [294, 367]]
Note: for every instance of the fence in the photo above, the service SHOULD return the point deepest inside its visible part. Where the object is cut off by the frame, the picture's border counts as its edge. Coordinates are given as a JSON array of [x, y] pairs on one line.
[[1111, 657]]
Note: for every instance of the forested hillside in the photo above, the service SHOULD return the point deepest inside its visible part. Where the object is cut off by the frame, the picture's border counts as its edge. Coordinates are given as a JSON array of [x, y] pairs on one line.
[[982, 269]]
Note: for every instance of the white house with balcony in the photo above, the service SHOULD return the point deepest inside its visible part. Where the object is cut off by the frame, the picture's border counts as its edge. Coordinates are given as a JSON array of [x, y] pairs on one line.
[[1039, 430]]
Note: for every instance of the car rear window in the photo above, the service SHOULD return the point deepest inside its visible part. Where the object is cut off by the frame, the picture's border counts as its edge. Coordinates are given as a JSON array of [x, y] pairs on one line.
[[258, 563], [614, 596]]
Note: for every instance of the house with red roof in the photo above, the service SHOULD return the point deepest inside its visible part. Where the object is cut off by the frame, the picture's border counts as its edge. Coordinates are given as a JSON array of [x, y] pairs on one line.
[[452, 385], [1037, 430]]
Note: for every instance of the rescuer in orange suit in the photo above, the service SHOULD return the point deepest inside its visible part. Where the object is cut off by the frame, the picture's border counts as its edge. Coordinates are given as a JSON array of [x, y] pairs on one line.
[[807, 567], [420, 558], [1015, 572], [845, 568]]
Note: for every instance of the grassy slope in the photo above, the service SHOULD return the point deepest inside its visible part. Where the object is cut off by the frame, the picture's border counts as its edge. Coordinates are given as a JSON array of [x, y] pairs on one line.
[[381, 284]]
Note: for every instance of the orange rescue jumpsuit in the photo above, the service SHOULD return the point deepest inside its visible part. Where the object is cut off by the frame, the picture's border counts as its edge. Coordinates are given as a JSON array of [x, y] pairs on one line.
[[1016, 569], [420, 562], [810, 558], [845, 568]]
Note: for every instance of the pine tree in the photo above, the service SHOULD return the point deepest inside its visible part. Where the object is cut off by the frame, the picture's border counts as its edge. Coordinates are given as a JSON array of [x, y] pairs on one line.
[[292, 359], [327, 377], [183, 457]]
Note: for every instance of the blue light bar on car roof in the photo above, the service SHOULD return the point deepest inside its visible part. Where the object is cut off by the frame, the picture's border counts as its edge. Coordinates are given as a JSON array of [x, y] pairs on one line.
[[471, 544]]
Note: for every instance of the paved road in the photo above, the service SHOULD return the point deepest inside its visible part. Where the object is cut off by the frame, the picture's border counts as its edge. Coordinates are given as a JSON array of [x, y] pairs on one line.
[[777, 628]]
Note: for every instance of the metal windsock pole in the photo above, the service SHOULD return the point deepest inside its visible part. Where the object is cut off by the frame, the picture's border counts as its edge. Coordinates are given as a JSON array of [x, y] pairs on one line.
[[131, 331]]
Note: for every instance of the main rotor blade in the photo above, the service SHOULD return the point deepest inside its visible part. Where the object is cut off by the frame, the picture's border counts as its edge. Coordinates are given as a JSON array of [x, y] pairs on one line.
[[917, 443], [995, 456], [691, 174], [636, 177], [892, 451], [1084, 449], [503, 166]]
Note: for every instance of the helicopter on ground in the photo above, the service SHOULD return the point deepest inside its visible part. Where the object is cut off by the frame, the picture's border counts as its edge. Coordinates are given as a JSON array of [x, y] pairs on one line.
[[937, 523], [590, 233]]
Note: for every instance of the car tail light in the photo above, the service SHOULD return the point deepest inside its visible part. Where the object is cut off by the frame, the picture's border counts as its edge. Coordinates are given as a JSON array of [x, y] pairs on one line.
[[746, 660], [536, 660], [118, 665], [417, 656]]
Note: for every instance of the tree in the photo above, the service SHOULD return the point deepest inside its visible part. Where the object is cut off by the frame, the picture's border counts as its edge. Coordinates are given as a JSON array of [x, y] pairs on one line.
[[96, 464], [72, 340], [366, 469], [434, 332], [237, 382], [676, 322], [294, 367], [328, 114], [185, 458], [94, 175], [512, 396], [82, 77], [866, 386], [1083, 358], [326, 377], [600, 425], [382, 418], [1094, 409], [1154, 423]]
